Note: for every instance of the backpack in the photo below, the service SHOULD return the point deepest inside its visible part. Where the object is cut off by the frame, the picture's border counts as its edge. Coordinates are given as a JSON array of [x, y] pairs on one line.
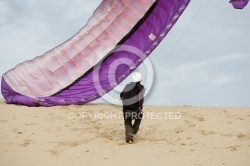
[[132, 96]]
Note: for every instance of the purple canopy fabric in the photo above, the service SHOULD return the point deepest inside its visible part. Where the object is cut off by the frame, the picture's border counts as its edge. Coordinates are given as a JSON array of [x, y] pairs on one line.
[[239, 4]]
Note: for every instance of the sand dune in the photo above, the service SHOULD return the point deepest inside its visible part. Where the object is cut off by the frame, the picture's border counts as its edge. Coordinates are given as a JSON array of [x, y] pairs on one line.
[[93, 134]]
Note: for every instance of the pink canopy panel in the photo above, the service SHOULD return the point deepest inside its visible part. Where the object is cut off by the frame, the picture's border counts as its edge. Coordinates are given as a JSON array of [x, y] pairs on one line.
[[59, 67]]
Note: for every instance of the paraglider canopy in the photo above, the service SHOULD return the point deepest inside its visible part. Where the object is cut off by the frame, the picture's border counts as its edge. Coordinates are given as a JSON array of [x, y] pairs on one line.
[[118, 37], [239, 4]]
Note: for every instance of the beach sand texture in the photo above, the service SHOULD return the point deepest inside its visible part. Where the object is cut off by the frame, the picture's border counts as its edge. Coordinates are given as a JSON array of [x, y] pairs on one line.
[[93, 134]]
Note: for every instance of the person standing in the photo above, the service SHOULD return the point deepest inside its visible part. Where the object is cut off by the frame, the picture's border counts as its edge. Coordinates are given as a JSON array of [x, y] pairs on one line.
[[132, 98]]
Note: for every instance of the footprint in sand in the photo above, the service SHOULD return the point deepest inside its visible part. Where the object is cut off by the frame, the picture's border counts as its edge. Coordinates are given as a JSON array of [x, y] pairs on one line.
[[3, 121], [203, 132], [70, 144], [178, 130], [17, 131], [54, 152], [30, 124], [76, 129], [199, 118], [228, 122], [189, 123], [26, 142], [67, 125], [241, 135], [233, 148]]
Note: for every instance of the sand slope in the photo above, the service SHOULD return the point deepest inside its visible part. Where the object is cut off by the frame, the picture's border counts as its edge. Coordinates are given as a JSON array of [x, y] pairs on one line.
[[78, 135]]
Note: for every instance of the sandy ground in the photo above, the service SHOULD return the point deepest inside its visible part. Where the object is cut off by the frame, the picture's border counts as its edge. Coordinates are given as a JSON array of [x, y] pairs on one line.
[[93, 134]]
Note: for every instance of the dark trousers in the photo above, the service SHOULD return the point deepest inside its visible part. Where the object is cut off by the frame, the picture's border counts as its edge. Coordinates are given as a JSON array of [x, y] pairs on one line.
[[131, 127]]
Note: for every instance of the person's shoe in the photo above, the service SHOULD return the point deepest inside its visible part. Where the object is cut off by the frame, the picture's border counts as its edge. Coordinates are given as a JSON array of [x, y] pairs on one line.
[[129, 141]]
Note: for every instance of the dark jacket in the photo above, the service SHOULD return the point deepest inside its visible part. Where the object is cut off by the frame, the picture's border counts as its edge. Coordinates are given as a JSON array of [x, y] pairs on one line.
[[132, 96]]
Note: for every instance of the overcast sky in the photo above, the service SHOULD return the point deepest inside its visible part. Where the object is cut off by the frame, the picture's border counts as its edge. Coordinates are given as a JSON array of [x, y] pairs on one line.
[[203, 61]]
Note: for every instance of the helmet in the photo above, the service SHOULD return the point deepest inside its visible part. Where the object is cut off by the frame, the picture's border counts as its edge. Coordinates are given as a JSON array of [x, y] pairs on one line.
[[136, 77]]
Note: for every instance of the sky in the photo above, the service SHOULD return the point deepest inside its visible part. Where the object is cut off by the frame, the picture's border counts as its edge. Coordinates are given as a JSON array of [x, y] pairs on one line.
[[203, 61]]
